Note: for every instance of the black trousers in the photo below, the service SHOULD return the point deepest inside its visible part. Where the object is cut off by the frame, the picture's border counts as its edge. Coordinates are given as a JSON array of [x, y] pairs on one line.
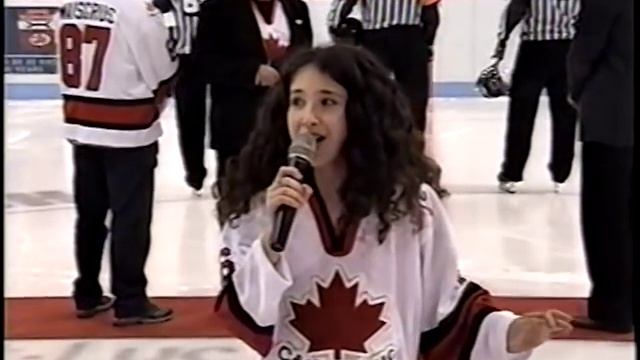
[[223, 157], [606, 230], [404, 51], [539, 65], [120, 180], [191, 109], [233, 120]]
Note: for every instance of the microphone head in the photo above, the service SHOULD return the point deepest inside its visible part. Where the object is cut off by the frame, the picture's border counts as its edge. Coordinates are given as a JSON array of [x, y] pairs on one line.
[[303, 146]]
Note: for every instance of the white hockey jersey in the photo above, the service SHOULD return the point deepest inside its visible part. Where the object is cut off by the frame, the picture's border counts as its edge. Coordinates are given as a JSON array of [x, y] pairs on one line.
[[349, 297], [115, 70]]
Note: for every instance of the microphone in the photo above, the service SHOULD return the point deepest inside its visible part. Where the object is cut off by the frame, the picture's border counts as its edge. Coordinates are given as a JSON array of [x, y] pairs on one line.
[[301, 151]]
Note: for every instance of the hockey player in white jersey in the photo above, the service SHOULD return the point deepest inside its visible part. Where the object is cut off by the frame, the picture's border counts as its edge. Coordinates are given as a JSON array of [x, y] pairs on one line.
[[369, 270], [116, 72]]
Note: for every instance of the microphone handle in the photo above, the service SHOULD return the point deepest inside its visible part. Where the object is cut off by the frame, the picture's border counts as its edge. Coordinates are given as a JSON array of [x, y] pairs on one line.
[[285, 214], [282, 222]]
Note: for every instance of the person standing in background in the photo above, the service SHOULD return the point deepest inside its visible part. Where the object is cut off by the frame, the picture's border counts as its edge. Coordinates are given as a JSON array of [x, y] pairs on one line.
[[547, 30], [116, 74], [600, 66], [401, 33], [181, 17], [240, 45], [430, 23]]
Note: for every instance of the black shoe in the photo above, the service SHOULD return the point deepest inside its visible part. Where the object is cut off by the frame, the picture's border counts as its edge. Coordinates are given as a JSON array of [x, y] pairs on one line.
[[103, 305], [152, 314], [195, 182], [586, 323]]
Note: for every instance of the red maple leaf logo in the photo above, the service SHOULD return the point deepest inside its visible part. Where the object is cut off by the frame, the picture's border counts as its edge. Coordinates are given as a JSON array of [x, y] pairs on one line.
[[339, 323]]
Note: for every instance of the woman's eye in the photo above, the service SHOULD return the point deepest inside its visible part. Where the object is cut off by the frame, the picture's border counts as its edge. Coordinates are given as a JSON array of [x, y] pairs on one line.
[[297, 102], [328, 102]]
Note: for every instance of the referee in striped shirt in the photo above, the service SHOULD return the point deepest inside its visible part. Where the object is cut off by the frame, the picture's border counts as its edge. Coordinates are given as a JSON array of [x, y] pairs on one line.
[[401, 34], [547, 27], [181, 17]]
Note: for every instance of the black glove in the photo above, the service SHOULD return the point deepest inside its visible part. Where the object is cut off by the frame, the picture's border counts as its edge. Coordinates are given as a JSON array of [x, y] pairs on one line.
[[163, 5], [349, 31]]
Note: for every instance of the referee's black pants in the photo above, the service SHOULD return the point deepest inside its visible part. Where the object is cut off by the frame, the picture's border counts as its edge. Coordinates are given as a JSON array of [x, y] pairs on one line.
[[539, 65], [606, 230], [404, 51], [120, 180], [191, 108]]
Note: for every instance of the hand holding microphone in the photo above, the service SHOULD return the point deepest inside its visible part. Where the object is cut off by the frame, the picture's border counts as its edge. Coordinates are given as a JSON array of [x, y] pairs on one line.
[[288, 192]]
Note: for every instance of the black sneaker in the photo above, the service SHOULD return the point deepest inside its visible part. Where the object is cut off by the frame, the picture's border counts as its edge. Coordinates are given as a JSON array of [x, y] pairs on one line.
[[103, 305], [151, 315]]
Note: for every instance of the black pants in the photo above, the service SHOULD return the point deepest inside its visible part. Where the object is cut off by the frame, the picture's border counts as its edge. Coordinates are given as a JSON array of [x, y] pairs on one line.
[[404, 51], [606, 230], [222, 159], [191, 103], [539, 65], [233, 120], [122, 180]]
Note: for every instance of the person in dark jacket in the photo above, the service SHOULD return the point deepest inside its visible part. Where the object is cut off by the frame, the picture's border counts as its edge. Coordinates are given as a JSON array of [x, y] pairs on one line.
[[240, 45], [600, 70]]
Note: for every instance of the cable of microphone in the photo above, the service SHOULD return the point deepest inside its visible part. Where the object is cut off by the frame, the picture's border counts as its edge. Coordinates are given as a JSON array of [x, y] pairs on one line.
[[300, 153]]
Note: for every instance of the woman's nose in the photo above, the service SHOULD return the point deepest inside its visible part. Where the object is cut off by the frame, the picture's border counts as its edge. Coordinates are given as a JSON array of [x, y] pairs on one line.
[[309, 117]]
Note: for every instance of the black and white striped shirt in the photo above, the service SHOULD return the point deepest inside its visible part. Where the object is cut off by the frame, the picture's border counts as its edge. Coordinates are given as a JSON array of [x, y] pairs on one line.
[[182, 21], [541, 19], [380, 14]]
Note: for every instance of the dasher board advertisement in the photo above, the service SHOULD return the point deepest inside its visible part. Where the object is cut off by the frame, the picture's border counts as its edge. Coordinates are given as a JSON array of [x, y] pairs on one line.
[[30, 46]]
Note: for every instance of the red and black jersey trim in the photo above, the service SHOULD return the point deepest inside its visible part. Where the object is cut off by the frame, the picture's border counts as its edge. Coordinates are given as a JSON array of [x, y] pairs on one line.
[[136, 114], [240, 323], [336, 243], [110, 114], [456, 335]]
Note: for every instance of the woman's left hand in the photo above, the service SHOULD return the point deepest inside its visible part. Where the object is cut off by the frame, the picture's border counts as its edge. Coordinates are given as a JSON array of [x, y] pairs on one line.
[[531, 330]]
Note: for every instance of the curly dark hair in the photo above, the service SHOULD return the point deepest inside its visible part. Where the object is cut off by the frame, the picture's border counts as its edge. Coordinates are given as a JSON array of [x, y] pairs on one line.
[[383, 149]]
